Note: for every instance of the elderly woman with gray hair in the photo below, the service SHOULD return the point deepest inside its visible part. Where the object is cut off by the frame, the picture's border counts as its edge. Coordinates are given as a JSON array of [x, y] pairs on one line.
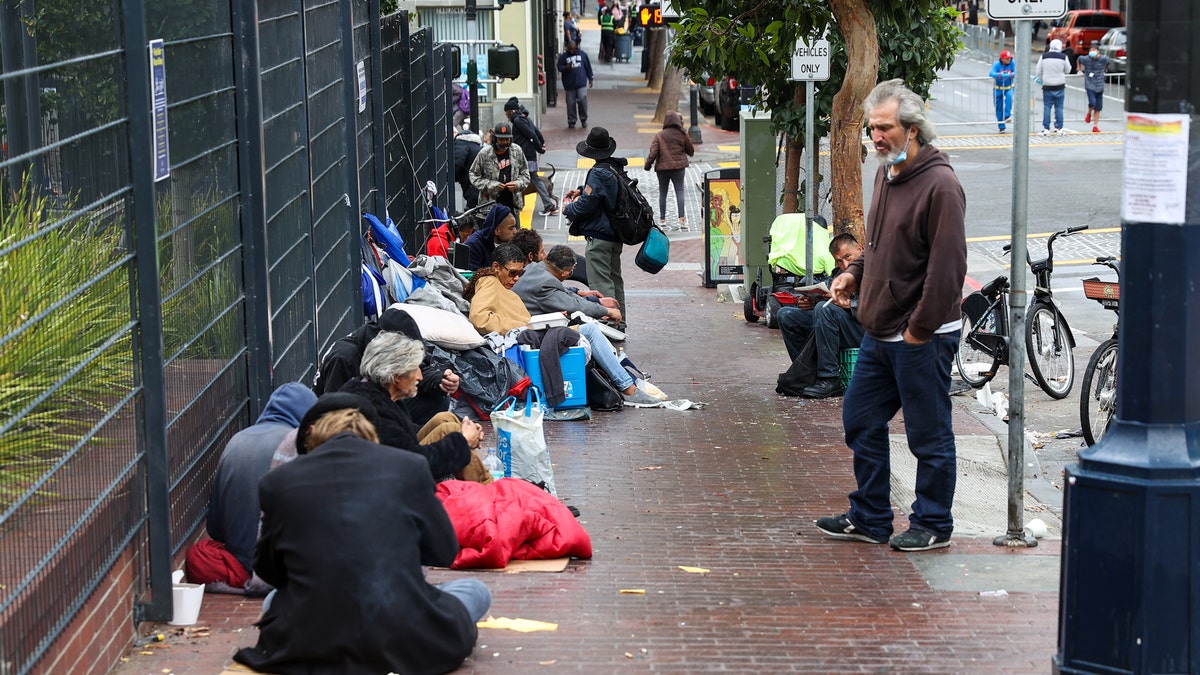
[[391, 371]]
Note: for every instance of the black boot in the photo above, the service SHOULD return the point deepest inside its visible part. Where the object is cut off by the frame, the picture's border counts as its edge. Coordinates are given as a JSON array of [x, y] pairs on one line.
[[824, 388]]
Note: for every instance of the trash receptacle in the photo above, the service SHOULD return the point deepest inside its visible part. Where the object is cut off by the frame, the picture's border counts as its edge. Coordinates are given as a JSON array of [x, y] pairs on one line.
[[638, 33], [624, 47]]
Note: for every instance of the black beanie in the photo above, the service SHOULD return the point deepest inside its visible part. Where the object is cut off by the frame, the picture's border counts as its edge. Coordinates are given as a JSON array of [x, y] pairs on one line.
[[512, 104], [329, 403]]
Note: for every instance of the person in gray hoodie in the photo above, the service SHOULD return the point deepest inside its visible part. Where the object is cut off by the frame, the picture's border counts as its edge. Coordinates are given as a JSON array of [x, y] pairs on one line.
[[233, 502], [1052, 70]]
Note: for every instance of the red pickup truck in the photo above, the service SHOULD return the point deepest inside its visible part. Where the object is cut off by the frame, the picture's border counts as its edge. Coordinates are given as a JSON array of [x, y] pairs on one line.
[[1078, 27]]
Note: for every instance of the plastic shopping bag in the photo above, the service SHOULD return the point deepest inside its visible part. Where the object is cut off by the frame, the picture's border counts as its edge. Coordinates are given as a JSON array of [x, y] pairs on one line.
[[520, 441]]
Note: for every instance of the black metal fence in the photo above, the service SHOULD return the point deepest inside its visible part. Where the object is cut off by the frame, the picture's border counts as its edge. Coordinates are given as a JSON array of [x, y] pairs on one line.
[[173, 249]]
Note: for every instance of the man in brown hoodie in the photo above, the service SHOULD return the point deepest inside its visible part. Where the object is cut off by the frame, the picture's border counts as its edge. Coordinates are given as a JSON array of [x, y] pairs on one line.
[[909, 282]]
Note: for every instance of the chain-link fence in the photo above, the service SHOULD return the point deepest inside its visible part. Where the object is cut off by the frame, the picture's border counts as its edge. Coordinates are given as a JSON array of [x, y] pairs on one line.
[[179, 224]]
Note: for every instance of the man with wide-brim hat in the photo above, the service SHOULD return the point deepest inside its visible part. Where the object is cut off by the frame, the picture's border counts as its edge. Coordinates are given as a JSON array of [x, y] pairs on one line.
[[588, 212]]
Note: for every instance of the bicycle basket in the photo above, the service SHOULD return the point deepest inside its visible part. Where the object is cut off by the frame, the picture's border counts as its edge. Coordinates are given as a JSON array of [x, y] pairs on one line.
[[1107, 293]]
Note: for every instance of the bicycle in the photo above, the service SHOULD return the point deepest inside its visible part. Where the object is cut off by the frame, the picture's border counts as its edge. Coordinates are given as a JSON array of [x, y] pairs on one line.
[[1098, 400], [1048, 339]]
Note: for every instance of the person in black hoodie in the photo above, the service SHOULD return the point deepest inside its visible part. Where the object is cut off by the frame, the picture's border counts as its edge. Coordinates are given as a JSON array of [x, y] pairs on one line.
[[466, 146], [588, 212], [532, 143], [909, 281]]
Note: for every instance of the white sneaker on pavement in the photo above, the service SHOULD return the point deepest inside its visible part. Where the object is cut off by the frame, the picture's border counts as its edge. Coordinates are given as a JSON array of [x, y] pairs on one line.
[[652, 390]]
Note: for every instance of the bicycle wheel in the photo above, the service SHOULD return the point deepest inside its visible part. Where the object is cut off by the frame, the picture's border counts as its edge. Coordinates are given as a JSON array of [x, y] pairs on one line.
[[976, 365], [1049, 350], [1098, 400]]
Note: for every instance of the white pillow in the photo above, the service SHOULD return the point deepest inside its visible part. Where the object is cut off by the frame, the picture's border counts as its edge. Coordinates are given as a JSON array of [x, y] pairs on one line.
[[448, 330]]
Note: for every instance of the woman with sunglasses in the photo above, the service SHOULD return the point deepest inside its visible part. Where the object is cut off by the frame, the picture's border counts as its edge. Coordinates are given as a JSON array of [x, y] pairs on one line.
[[494, 307]]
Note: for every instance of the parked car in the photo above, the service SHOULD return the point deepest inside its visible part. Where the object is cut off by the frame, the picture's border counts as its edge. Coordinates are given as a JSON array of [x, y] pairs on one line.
[[708, 94], [731, 96], [1112, 45], [1078, 27]]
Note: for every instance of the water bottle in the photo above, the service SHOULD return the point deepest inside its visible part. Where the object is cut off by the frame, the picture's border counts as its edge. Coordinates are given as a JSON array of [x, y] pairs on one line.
[[493, 464]]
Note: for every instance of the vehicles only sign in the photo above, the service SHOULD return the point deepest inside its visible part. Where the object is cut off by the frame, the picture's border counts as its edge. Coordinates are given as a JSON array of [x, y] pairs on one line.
[[1026, 9], [810, 62]]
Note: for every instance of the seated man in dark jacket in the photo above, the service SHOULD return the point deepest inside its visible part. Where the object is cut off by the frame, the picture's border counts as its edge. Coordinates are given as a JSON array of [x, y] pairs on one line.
[[390, 373], [346, 529], [588, 213], [341, 361]]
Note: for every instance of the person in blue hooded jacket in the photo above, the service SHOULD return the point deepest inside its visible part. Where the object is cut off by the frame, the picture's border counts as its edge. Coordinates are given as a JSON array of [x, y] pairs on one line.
[[233, 503], [1002, 73], [588, 213], [498, 228]]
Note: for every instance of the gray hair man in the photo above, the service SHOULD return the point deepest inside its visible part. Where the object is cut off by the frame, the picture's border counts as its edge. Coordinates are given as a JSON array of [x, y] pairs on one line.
[[909, 282]]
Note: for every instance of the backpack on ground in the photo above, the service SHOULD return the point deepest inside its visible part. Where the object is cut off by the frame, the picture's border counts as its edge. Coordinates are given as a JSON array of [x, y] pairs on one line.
[[631, 217]]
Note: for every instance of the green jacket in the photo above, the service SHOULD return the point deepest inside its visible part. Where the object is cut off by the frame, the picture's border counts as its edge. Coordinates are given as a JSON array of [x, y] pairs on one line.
[[485, 174]]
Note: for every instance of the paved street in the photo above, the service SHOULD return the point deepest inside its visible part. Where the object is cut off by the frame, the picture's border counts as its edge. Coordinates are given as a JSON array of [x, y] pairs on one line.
[[733, 488]]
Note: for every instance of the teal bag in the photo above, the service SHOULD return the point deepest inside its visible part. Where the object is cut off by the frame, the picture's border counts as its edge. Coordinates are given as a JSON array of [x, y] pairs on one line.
[[655, 251]]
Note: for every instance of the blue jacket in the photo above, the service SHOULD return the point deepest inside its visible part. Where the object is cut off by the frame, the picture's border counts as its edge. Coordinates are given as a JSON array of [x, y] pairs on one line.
[[589, 213], [1002, 74], [1093, 71], [576, 69]]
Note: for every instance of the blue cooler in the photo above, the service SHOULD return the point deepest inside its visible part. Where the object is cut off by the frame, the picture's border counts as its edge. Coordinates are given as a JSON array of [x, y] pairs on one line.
[[574, 370]]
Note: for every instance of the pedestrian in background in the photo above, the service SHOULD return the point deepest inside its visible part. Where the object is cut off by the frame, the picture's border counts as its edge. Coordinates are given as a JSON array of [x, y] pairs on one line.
[[570, 29], [461, 99], [1002, 74], [1093, 66], [532, 143], [589, 210], [1052, 70], [909, 306], [608, 36], [670, 150], [576, 71]]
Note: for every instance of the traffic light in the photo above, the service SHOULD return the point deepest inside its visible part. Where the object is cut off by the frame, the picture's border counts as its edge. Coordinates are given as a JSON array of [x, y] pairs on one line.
[[504, 62], [650, 16]]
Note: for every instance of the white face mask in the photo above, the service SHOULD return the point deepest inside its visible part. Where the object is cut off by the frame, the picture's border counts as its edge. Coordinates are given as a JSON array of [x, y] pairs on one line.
[[1093, 53]]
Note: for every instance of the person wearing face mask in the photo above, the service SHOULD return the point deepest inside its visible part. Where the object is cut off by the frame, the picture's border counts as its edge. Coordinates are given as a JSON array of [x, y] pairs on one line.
[[1092, 66], [1002, 74], [909, 282]]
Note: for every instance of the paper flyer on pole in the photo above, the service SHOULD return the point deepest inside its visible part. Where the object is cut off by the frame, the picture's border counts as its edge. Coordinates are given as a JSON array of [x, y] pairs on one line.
[[1155, 183]]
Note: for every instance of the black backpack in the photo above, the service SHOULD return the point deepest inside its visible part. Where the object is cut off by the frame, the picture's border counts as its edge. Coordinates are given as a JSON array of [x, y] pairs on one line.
[[632, 216]]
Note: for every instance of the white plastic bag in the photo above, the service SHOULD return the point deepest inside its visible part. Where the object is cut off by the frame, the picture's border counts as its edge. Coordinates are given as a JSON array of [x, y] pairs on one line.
[[520, 441]]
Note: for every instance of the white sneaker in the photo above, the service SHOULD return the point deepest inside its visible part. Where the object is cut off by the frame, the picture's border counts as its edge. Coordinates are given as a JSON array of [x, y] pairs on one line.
[[1060, 132], [651, 390], [1044, 132]]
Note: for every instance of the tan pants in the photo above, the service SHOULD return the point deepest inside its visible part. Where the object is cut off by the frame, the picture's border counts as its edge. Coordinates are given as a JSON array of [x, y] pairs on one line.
[[443, 424]]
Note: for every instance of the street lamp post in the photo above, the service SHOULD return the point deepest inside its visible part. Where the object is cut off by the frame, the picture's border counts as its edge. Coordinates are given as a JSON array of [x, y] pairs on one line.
[[1129, 601]]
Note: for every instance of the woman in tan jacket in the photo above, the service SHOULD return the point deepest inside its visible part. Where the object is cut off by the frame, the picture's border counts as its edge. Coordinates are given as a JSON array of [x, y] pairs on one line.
[[494, 307], [670, 150]]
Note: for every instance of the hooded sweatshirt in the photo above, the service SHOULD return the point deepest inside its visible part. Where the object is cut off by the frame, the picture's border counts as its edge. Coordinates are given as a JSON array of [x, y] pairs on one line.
[[672, 146], [1053, 67], [911, 272], [233, 502], [482, 241]]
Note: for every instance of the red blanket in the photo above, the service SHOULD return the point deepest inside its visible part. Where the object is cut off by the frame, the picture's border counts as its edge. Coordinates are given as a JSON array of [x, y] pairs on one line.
[[510, 519]]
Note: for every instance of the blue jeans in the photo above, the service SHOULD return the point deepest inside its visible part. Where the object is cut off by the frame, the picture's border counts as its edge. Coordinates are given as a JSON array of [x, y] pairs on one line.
[[605, 357], [891, 376], [1003, 105], [836, 329], [1053, 98], [472, 593], [795, 325]]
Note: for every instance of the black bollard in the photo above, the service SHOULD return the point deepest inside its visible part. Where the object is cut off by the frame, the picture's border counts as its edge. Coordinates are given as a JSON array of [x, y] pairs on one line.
[[694, 104]]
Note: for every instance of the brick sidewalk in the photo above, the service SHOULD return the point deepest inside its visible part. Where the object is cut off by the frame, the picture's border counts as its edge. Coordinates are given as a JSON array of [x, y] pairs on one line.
[[732, 488]]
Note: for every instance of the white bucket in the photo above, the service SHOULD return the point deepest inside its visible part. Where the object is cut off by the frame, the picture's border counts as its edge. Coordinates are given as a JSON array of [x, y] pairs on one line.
[[186, 599]]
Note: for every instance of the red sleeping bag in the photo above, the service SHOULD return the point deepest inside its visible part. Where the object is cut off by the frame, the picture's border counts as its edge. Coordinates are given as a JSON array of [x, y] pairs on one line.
[[510, 519]]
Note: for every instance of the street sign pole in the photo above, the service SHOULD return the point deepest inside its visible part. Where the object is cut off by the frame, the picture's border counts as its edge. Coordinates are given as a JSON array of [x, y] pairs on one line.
[[1020, 13], [1130, 554], [810, 63]]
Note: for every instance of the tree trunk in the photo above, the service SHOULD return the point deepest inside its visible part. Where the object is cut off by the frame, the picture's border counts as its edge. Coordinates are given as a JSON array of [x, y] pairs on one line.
[[657, 60], [668, 96], [793, 148], [857, 23]]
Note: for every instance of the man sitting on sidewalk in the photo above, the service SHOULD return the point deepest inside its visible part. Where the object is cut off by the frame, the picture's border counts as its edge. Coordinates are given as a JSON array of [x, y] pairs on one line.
[[833, 327]]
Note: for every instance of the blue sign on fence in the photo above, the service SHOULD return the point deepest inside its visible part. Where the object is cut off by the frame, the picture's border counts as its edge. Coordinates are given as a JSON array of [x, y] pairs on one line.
[[158, 91]]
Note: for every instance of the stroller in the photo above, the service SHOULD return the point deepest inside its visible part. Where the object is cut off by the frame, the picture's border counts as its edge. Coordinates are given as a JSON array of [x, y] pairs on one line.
[[785, 264]]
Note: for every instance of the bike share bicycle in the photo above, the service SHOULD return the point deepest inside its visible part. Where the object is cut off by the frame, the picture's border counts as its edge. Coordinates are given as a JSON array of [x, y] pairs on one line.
[[1098, 399], [1048, 338]]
